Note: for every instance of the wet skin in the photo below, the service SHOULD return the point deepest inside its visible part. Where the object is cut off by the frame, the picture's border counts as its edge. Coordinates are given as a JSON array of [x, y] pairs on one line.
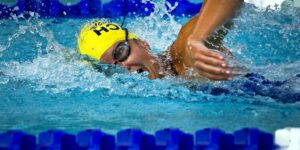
[[141, 59], [191, 53]]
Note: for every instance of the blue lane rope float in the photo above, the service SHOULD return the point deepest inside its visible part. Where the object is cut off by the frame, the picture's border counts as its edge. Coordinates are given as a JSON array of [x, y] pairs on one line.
[[136, 139], [92, 8]]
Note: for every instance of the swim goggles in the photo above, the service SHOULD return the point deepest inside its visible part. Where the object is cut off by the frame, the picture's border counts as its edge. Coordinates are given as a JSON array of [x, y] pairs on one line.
[[122, 51]]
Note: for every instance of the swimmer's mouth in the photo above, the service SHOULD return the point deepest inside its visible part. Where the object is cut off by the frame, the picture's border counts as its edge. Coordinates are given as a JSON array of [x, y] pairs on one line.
[[140, 70]]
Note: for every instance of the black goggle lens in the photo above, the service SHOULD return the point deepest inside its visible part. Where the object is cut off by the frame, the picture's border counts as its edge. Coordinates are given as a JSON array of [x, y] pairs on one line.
[[121, 52]]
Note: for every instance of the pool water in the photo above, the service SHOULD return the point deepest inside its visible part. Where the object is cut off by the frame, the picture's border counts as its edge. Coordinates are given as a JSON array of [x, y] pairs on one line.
[[45, 84]]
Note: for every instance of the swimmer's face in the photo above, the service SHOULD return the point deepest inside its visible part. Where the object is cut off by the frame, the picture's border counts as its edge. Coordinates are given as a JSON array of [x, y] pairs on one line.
[[139, 59]]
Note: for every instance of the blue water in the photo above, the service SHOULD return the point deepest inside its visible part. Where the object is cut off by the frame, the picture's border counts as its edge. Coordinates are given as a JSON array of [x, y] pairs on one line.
[[44, 84]]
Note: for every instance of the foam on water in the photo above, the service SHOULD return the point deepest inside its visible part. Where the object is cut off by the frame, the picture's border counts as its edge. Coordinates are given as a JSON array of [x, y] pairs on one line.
[[265, 37], [160, 27], [57, 68]]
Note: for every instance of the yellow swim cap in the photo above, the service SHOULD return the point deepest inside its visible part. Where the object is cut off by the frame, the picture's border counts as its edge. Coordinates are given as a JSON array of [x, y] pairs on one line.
[[96, 38]]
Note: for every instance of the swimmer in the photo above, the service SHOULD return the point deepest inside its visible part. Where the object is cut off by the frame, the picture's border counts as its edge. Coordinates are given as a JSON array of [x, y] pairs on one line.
[[192, 54]]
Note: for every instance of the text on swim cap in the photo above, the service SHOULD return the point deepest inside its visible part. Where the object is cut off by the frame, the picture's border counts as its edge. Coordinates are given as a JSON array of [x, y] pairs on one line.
[[105, 29]]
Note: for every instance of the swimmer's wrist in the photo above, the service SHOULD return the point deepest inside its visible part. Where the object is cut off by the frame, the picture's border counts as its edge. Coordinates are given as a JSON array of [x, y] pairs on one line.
[[196, 37]]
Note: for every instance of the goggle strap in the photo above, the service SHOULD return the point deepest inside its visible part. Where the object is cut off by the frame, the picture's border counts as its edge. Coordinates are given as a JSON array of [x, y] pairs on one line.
[[126, 34]]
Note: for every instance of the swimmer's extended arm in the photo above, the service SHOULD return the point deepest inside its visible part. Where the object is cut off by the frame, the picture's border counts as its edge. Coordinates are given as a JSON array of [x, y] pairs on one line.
[[190, 51], [213, 14]]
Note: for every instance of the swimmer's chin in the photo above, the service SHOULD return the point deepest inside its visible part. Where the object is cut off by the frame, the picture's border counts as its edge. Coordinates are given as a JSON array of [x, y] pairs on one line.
[[151, 73], [154, 75]]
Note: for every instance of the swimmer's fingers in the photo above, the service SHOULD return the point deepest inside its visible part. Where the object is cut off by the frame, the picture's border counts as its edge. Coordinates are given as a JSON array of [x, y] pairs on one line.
[[211, 60], [212, 65], [201, 49], [208, 62], [216, 73], [213, 69]]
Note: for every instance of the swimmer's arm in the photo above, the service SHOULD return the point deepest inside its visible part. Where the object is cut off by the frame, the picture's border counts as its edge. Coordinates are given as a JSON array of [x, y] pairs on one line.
[[213, 14], [207, 62]]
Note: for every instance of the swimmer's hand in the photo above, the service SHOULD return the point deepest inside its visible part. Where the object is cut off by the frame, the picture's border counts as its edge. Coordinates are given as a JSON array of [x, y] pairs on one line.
[[208, 63]]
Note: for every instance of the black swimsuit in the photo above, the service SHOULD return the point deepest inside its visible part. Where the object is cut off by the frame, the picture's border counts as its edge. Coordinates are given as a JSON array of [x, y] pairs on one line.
[[254, 84]]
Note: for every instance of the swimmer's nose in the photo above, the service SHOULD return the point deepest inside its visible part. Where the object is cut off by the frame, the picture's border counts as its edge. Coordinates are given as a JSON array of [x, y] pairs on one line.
[[125, 65], [131, 67]]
